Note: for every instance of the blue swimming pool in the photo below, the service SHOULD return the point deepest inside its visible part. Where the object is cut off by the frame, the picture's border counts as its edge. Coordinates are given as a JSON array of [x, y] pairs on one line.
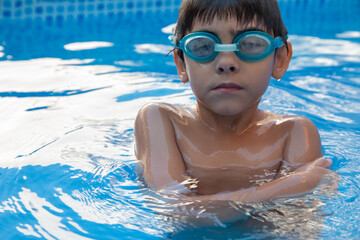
[[73, 75]]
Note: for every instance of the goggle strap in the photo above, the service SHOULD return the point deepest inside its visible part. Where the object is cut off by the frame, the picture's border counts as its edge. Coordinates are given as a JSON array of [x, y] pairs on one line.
[[278, 42], [225, 48]]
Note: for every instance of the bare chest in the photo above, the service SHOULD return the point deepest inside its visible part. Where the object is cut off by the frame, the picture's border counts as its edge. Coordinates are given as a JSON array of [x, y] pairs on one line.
[[225, 162]]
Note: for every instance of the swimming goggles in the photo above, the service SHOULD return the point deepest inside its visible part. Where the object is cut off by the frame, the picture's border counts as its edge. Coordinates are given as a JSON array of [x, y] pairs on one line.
[[248, 46]]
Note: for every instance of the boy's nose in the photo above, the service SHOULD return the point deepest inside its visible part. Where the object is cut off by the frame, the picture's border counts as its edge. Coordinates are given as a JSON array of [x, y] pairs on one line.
[[227, 63]]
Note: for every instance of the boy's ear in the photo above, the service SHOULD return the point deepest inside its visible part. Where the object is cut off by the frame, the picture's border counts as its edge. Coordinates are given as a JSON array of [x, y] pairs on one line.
[[181, 67], [282, 61]]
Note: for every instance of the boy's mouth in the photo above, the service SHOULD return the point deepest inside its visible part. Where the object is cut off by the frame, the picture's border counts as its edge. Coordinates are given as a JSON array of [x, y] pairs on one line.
[[227, 87]]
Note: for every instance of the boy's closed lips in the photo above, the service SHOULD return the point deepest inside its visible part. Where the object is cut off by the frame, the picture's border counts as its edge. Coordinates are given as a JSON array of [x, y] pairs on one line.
[[227, 88]]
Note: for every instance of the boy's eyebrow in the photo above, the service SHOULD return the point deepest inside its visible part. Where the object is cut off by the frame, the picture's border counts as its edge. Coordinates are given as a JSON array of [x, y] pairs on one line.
[[236, 33], [208, 31]]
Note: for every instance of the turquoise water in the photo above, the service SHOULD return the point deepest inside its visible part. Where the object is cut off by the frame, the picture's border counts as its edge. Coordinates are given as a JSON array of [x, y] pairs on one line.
[[69, 93]]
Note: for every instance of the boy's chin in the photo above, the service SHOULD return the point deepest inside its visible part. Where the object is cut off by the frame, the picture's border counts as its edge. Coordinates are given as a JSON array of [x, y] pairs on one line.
[[227, 108], [228, 111]]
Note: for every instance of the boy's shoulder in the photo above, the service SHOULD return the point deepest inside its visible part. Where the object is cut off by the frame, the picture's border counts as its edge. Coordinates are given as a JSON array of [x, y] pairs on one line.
[[164, 110], [284, 118], [293, 123]]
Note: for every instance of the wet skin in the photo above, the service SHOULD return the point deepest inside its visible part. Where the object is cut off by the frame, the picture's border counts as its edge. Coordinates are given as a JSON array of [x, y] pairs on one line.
[[224, 143], [182, 146]]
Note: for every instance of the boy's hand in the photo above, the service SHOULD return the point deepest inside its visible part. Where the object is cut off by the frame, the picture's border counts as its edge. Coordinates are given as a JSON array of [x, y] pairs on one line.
[[320, 162]]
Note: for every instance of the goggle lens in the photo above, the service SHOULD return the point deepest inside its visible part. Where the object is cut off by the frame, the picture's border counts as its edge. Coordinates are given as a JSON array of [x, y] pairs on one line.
[[253, 45], [201, 46]]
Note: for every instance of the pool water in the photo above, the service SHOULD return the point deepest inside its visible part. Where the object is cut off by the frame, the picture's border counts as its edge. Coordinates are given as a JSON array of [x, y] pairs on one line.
[[70, 91]]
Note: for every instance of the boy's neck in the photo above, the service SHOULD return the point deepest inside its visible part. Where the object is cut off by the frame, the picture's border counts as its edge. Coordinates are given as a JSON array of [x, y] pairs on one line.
[[236, 124]]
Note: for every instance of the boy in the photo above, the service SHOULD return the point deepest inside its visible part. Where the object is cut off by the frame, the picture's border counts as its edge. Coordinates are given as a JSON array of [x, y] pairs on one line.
[[224, 147]]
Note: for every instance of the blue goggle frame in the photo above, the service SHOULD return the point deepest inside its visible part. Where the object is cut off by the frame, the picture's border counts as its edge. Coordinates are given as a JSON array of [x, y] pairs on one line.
[[272, 44]]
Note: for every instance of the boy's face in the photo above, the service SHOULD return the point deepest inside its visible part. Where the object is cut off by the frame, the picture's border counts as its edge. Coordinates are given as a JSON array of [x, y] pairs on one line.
[[226, 85]]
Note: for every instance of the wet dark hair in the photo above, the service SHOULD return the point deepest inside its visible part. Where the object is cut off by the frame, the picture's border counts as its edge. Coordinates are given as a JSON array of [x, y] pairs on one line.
[[266, 13]]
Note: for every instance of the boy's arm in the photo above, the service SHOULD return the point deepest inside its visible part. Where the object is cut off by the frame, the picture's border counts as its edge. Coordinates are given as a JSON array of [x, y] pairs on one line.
[[302, 146], [156, 149], [296, 183]]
